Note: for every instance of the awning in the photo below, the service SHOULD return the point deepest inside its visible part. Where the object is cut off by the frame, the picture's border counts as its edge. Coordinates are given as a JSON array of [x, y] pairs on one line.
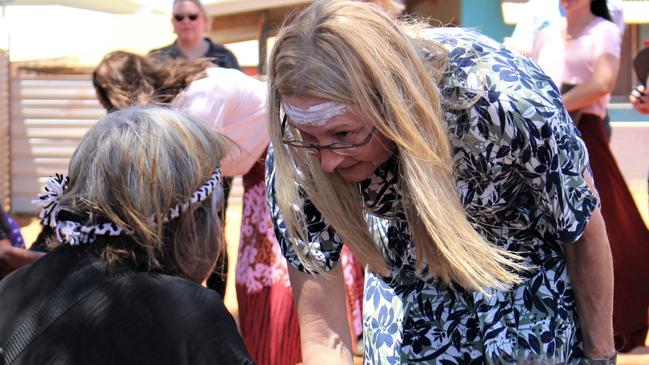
[[107, 6], [241, 20], [636, 11], [513, 10], [226, 7]]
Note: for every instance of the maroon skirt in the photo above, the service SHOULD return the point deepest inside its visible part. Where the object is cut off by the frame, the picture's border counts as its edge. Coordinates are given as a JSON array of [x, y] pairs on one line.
[[627, 235]]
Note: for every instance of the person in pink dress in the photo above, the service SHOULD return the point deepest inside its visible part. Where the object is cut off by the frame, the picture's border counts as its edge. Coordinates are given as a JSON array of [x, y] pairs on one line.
[[587, 46]]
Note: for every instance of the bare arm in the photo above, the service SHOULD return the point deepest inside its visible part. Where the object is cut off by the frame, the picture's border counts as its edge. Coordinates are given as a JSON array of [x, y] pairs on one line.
[[601, 83], [12, 258], [590, 267], [321, 309]]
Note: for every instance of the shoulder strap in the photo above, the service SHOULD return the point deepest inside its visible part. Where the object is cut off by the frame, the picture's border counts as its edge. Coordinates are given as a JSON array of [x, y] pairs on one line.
[[73, 290]]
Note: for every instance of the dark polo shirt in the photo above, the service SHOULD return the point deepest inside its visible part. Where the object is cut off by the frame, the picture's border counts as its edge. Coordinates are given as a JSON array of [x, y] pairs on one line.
[[220, 55]]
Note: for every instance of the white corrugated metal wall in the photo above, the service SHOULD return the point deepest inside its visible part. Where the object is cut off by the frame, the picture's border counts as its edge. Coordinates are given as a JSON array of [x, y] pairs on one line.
[[49, 115], [4, 129]]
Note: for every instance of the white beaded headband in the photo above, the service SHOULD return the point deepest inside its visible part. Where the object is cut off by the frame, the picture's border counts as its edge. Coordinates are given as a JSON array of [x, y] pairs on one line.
[[74, 233], [315, 115]]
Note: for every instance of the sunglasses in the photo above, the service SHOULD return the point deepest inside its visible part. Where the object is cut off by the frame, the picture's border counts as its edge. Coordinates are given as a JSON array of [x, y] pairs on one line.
[[181, 17]]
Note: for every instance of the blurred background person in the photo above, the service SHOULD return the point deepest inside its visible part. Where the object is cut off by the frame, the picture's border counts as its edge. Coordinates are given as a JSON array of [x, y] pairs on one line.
[[136, 231], [639, 99], [539, 14], [189, 20], [582, 54], [638, 96]]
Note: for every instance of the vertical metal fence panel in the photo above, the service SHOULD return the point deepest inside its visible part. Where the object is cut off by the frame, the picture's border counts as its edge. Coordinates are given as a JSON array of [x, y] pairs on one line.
[[49, 115]]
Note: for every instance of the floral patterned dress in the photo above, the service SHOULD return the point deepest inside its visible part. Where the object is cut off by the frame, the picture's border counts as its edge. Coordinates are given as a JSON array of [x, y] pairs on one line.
[[519, 163]]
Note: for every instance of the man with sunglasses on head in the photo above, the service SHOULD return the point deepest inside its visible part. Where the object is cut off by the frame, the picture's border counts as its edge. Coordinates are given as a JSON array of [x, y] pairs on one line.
[[190, 22]]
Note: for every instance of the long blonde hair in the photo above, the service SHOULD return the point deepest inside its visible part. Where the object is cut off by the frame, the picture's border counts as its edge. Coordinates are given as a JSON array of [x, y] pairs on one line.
[[354, 53], [138, 163]]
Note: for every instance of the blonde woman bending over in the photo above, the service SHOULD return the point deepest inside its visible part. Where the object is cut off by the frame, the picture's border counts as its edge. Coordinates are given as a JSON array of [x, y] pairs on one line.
[[450, 167]]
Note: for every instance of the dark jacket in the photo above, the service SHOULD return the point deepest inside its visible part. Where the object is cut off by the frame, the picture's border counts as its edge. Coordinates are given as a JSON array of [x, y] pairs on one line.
[[220, 55], [137, 318]]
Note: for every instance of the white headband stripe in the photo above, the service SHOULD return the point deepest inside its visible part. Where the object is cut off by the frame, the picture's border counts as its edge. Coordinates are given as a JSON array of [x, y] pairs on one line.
[[318, 114], [74, 233], [198, 196]]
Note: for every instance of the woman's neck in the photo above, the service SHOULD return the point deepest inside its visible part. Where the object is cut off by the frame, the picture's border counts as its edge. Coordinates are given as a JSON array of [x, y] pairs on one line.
[[577, 20], [194, 50]]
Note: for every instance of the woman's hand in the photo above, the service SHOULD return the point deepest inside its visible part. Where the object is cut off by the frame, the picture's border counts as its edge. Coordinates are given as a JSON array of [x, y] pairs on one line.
[[640, 100]]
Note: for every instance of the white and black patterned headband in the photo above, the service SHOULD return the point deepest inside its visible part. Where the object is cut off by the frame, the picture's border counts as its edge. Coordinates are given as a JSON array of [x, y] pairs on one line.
[[74, 233]]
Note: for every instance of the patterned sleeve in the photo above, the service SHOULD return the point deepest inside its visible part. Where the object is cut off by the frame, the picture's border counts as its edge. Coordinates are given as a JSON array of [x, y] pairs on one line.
[[324, 246], [549, 155], [519, 158]]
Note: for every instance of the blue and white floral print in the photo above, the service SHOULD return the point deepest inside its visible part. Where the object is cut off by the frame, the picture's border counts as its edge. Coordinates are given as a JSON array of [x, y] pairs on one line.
[[519, 163]]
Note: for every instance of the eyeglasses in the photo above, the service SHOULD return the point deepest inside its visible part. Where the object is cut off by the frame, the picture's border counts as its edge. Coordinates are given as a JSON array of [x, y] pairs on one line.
[[341, 148], [180, 17]]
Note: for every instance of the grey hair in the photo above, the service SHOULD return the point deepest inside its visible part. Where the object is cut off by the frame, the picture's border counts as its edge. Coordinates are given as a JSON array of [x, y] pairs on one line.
[[195, 2], [137, 163]]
